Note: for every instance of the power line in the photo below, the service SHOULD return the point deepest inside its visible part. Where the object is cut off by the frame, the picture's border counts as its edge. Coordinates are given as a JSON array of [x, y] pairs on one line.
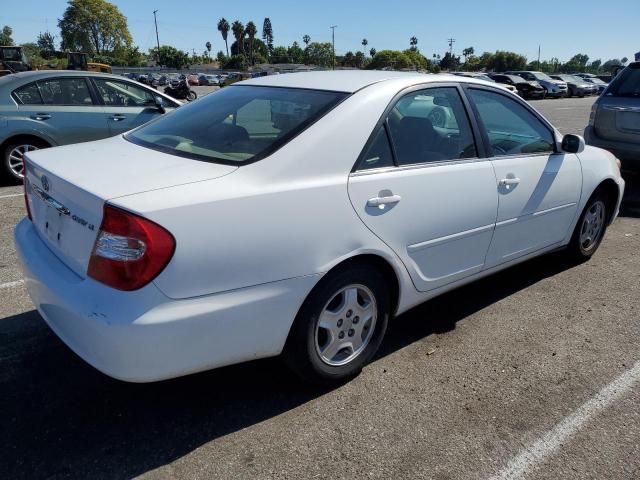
[[451, 42]]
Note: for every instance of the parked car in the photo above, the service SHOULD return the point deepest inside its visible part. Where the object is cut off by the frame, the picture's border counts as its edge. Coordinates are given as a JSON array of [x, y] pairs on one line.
[[577, 87], [486, 78], [614, 123], [525, 88], [45, 108], [192, 78], [599, 84], [228, 238], [553, 88], [208, 80]]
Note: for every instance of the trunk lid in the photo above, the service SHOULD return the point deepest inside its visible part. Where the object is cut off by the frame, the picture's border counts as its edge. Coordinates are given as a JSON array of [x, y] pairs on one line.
[[67, 188], [618, 114]]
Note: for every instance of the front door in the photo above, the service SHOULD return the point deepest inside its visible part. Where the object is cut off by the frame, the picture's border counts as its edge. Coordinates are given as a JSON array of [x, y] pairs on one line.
[[538, 189], [421, 188]]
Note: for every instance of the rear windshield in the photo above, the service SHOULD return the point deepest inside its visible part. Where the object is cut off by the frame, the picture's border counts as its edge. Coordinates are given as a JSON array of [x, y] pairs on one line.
[[627, 83], [237, 125]]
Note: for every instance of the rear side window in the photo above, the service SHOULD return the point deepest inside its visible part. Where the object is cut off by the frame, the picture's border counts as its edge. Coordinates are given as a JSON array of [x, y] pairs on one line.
[[378, 153], [627, 83], [28, 95], [237, 125], [65, 91]]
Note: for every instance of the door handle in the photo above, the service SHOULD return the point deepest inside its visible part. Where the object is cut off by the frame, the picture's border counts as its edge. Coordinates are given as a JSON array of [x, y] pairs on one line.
[[41, 116], [118, 117], [386, 200], [510, 181]]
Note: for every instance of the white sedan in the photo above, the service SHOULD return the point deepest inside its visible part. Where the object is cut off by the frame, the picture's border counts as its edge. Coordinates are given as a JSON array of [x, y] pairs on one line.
[[297, 214]]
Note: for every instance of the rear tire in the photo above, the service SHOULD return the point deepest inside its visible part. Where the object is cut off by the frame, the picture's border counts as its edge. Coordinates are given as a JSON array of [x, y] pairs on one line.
[[591, 227], [191, 96], [340, 325], [12, 154]]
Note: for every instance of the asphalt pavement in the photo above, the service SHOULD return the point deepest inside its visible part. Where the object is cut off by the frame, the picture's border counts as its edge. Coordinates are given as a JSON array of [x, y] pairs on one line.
[[530, 373]]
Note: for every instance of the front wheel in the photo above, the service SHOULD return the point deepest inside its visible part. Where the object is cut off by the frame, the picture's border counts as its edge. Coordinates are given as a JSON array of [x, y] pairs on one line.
[[590, 228], [191, 96], [340, 326]]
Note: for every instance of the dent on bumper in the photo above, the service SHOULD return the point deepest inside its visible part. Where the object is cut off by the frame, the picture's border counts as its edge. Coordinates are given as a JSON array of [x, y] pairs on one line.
[[144, 336]]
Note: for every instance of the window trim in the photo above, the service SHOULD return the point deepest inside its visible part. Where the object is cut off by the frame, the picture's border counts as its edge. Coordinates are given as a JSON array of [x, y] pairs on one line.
[[37, 82], [523, 103], [481, 153]]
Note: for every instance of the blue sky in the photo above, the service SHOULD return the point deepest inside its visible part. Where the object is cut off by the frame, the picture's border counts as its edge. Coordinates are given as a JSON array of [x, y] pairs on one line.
[[562, 28]]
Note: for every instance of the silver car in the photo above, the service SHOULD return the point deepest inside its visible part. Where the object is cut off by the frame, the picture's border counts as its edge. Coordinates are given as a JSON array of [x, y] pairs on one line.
[[47, 108], [614, 123]]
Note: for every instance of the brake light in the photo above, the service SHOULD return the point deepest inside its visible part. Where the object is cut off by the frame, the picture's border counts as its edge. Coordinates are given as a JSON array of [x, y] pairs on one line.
[[129, 250], [25, 184]]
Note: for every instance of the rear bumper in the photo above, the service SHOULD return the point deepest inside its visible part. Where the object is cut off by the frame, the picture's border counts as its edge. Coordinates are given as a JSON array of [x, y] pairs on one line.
[[628, 153], [144, 336]]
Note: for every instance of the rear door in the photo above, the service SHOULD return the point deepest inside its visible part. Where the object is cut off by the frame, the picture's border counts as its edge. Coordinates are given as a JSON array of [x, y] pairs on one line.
[[64, 108], [126, 104], [618, 115], [421, 186], [538, 188]]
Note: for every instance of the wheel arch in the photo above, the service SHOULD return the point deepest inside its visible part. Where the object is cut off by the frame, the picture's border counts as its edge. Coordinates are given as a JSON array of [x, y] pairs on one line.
[[25, 136], [611, 191]]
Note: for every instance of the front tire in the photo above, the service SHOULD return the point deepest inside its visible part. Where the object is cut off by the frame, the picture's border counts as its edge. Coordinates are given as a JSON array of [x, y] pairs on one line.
[[191, 96], [590, 228], [340, 326]]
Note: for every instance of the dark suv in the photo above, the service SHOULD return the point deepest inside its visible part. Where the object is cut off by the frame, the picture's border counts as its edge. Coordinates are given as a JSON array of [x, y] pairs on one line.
[[526, 89], [614, 123]]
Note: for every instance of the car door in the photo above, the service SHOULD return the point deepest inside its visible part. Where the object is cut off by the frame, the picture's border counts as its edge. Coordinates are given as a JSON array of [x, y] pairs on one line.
[[64, 109], [538, 187], [421, 186], [126, 104]]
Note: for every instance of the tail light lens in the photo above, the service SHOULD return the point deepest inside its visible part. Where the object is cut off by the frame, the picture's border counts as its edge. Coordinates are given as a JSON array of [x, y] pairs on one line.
[[25, 183], [592, 114], [129, 250]]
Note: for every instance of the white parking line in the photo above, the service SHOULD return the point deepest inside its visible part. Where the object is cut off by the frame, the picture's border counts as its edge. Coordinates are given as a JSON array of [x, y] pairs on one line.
[[551, 441], [17, 283], [12, 195]]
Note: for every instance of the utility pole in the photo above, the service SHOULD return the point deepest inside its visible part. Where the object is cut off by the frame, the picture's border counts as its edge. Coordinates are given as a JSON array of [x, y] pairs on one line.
[[155, 19], [451, 42], [333, 42], [538, 57]]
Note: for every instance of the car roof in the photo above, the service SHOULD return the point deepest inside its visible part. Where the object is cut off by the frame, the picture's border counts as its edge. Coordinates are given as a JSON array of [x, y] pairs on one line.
[[347, 81], [33, 75]]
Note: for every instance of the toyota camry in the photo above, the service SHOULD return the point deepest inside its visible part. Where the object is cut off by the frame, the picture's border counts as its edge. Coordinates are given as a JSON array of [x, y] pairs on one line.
[[297, 215]]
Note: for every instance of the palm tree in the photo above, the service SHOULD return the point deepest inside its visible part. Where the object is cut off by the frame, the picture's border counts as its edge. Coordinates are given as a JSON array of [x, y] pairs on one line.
[[208, 45], [251, 30], [373, 52], [413, 41], [306, 39], [223, 28], [238, 32], [365, 42]]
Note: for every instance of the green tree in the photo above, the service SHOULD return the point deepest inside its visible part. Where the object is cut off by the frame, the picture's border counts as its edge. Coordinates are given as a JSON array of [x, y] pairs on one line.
[[319, 53], [280, 55], [624, 60], [128, 56], [450, 62], [417, 60], [221, 57], [208, 47], [238, 32], [267, 35], [94, 27], [468, 53], [251, 31], [413, 42], [295, 53], [259, 48], [46, 43], [5, 36], [170, 56], [360, 59], [502, 61], [372, 52], [235, 62], [365, 42], [306, 39], [610, 66], [223, 28], [595, 66], [390, 59]]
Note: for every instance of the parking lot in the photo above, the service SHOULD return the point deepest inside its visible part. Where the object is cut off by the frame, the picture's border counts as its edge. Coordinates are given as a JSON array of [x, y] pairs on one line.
[[530, 373]]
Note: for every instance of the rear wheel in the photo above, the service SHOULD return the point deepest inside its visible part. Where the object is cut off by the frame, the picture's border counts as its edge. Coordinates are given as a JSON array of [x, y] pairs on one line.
[[590, 228], [13, 156], [340, 326], [191, 95]]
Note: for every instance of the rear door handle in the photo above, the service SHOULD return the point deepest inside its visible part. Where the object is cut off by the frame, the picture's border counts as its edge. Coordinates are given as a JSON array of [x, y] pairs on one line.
[[386, 200], [510, 181], [117, 117], [41, 116]]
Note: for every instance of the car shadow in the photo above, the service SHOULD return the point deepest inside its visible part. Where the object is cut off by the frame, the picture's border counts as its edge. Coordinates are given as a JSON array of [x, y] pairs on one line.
[[62, 418], [631, 201]]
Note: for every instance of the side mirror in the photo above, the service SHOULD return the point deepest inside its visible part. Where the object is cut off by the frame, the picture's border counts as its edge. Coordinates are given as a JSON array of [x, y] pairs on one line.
[[159, 103], [572, 143]]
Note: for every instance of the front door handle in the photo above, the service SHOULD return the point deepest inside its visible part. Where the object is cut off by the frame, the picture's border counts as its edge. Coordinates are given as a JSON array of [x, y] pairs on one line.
[[41, 116], [385, 200], [510, 181], [117, 117]]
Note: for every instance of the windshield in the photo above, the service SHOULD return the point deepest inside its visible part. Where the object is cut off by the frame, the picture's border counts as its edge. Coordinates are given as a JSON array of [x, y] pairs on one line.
[[627, 83], [237, 125], [542, 76]]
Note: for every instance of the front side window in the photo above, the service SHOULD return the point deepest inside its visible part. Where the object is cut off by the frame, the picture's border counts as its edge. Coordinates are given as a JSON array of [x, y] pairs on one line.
[[65, 91], [28, 94], [236, 125], [431, 125], [123, 94], [512, 129]]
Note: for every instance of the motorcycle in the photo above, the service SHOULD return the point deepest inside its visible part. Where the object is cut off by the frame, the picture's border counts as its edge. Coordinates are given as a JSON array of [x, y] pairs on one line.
[[181, 91]]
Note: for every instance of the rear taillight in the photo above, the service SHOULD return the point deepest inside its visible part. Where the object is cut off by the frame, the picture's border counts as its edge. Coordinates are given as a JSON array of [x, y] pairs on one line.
[[129, 250], [592, 114], [25, 183]]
